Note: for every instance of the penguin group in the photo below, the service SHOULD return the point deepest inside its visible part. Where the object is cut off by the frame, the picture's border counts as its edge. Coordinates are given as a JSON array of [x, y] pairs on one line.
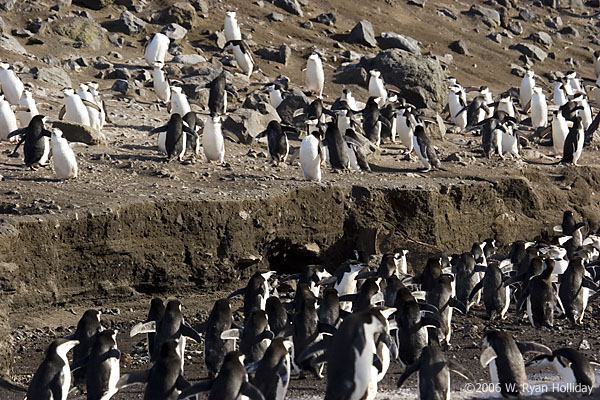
[[349, 325]]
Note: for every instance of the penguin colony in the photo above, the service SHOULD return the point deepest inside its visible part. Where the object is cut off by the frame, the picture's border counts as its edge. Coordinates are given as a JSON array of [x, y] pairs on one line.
[[348, 327]]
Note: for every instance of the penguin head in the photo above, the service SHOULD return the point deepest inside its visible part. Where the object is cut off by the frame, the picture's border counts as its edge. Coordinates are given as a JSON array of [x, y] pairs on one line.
[[4, 66], [175, 117], [68, 91], [374, 73], [571, 75], [58, 133], [93, 85], [83, 87], [530, 73], [537, 90], [451, 80], [61, 347], [174, 306], [314, 57], [230, 14], [176, 89]]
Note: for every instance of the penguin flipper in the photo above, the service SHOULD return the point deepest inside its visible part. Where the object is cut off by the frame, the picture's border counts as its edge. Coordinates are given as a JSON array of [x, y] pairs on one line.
[[159, 129], [182, 383], [143, 327], [532, 347], [88, 103], [326, 328], [231, 136], [316, 348], [250, 391], [238, 292], [190, 332], [132, 378], [460, 370], [18, 145], [411, 369], [487, 356], [21, 131], [327, 281], [588, 283], [264, 335], [231, 334], [8, 384], [458, 305], [476, 289], [62, 113], [200, 387], [386, 339], [428, 322]]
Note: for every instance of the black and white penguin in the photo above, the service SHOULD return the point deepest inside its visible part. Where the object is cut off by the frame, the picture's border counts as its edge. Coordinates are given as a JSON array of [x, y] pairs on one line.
[[344, 280], [52, 380], [329, 308], [37, 142], [574, 290], [255, 337], [573, 143], [569, 225], [87, 328], [256, 292], [231, 382], [572, 366], [504, 356], [305, 328], [466, 276], [217, 96], [242, 55], [373, 121], [434, 369], [367, 296], [103, 371], [496, 295], [164, 380], [338, 153], [272, 372], [539, 297], [442, 297], [176, 136], [192, 143], [277, 315], [277, 141], [156, 313], [425, 149], [215, 348]]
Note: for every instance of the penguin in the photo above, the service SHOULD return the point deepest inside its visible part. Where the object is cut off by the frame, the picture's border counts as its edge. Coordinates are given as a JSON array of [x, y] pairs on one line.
[[8, 120], [456, 102], [272, 372], [305, 329], [569, 225], [164, 380], [277, 315], [496, 295], [156, 49], [155, 313], [476, 111], [350, 370], [344, 280], [573, 82], [388, 113], [171, 327], [584, 111], [338, 153], [103, 370], [526, 88], [12, 87], [256, 292], [491, 134], [466, 277], [405, 127], [560, 130], [37, 142], [488, 98], [504, 356], [597, 63], [93, 87], [510, 140], [217, 96], [430, 274], [232, 29], [559, 96], [176, 136], [27, 108], [350, 100], [539, 296], [160, 83], [359, 148], [65, 163], [230, 384], [506, 105], [442, 297], [329, 308], [315, 77], [85, 334], [425, 149], [275, 95], [75, 109], [277, 142], [434, 369], [215, 348], [574, 290], [243, 55], [377, 87], [368, 295], [311, 155], [255, 337], [539, 109], [93, 112], [192, 142], [572, 366], [52, 379], [373, 121], [179, 103], [213, 143], [573, 146]]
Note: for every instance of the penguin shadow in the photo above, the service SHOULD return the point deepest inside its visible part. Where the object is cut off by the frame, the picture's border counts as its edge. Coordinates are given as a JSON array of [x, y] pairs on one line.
[[381, 169], [139, 157], [30, 179], [205, 47], [142, 128]]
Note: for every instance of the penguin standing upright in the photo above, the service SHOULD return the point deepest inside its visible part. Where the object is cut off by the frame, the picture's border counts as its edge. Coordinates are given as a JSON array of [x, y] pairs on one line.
[[526, 88], [156, 49], [160, 83], [539, 109], [377, 87], [338, 153], [242, 55], [52, 380], [496, 295], [272, 372], [37, 142], [315, 77], [442, 297], [8, 120], [65, 163], [425, 149], [103, 370], [506, 105], [232, 29], [27, 109], [573, 146], [176, 135], [215, 348], [155, 313], [179, 103], [12, 87], [87, 328], [560, 130], [256, 292], [75, 109], [304, 325], [93, 87], [311, 156], [255, 337], [372, 121], [572, 366], [456, 103], [93, 112], [539, 296], [574, 290], [217, 97], [277, 142], [213, 143], [559, 96]]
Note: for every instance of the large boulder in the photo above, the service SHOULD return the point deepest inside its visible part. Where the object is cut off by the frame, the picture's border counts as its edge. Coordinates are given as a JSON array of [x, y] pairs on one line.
[[10, 43], [182, 13], [393, 40], [419, 78], [291, 103], [363, 33], [80, 133], [83, 30], [55, 76], [94, 4], [247, 123], [127, 23]]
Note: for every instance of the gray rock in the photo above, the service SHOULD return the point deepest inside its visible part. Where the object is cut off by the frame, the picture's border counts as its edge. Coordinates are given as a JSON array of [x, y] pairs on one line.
[[63, 4], [280, 55], [80, 29], [418, 3], [131, 24], [55, 76], [8, 42], [51, 60], [530, 50], [350, 76], [496, 37], [488, 13], [517, 70], [121, 86], [118, 73], [459, 46], [541, 38], [328, 19], [393, 40], [189, 59], [80, 133], [363, 33], [291, 103], [291, 6], [94, 4], [182, 13], [7, 5], [253, 100], [569, 30], [174, 31], [515, 27], [307, 25], [201, 6], [584, 345], [247, 124], [219, 39], [420, 79], [275, 16], [527, 15]]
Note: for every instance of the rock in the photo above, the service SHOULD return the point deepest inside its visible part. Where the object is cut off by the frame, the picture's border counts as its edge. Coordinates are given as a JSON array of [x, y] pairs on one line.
[[328, 19], [202, 7], [280, 55], [80, 133], [515, 27], [253, 100], [7, 5], [174, 31], [307, 25], [550, 3], [541, 38], [291, 6], [55, 76], [489, 14], [352, 76], [496, 37], [275, 16], [291, 103], [63, 4], [181, 13], [51, 60], [94, 4], [121, 86], [418, 3], [80, 29], [247, 124], [9, 43], [219, 39], [127, 23], [421, 79], [459, 46], [363, 33], [393, 40], [527, 15], [569, 30], [584, 345], [530, 50], [189, 59]]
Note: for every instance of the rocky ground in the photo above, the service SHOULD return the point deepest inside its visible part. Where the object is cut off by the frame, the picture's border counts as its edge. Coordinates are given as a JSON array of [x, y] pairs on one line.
[[132, 224]]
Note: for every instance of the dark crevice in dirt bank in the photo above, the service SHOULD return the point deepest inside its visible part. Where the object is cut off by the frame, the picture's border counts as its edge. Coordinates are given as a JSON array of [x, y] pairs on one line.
[[170, 246]]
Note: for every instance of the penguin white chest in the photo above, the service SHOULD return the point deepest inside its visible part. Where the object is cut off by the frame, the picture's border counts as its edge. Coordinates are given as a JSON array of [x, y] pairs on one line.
[[157, 49], [179, 104], [315, 77], [243, 60], [363, 368], [560, 130], [8, 120], [161, 85], [212, 142], [162, 139], [65, 164], [76, 111], [310, 159]]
